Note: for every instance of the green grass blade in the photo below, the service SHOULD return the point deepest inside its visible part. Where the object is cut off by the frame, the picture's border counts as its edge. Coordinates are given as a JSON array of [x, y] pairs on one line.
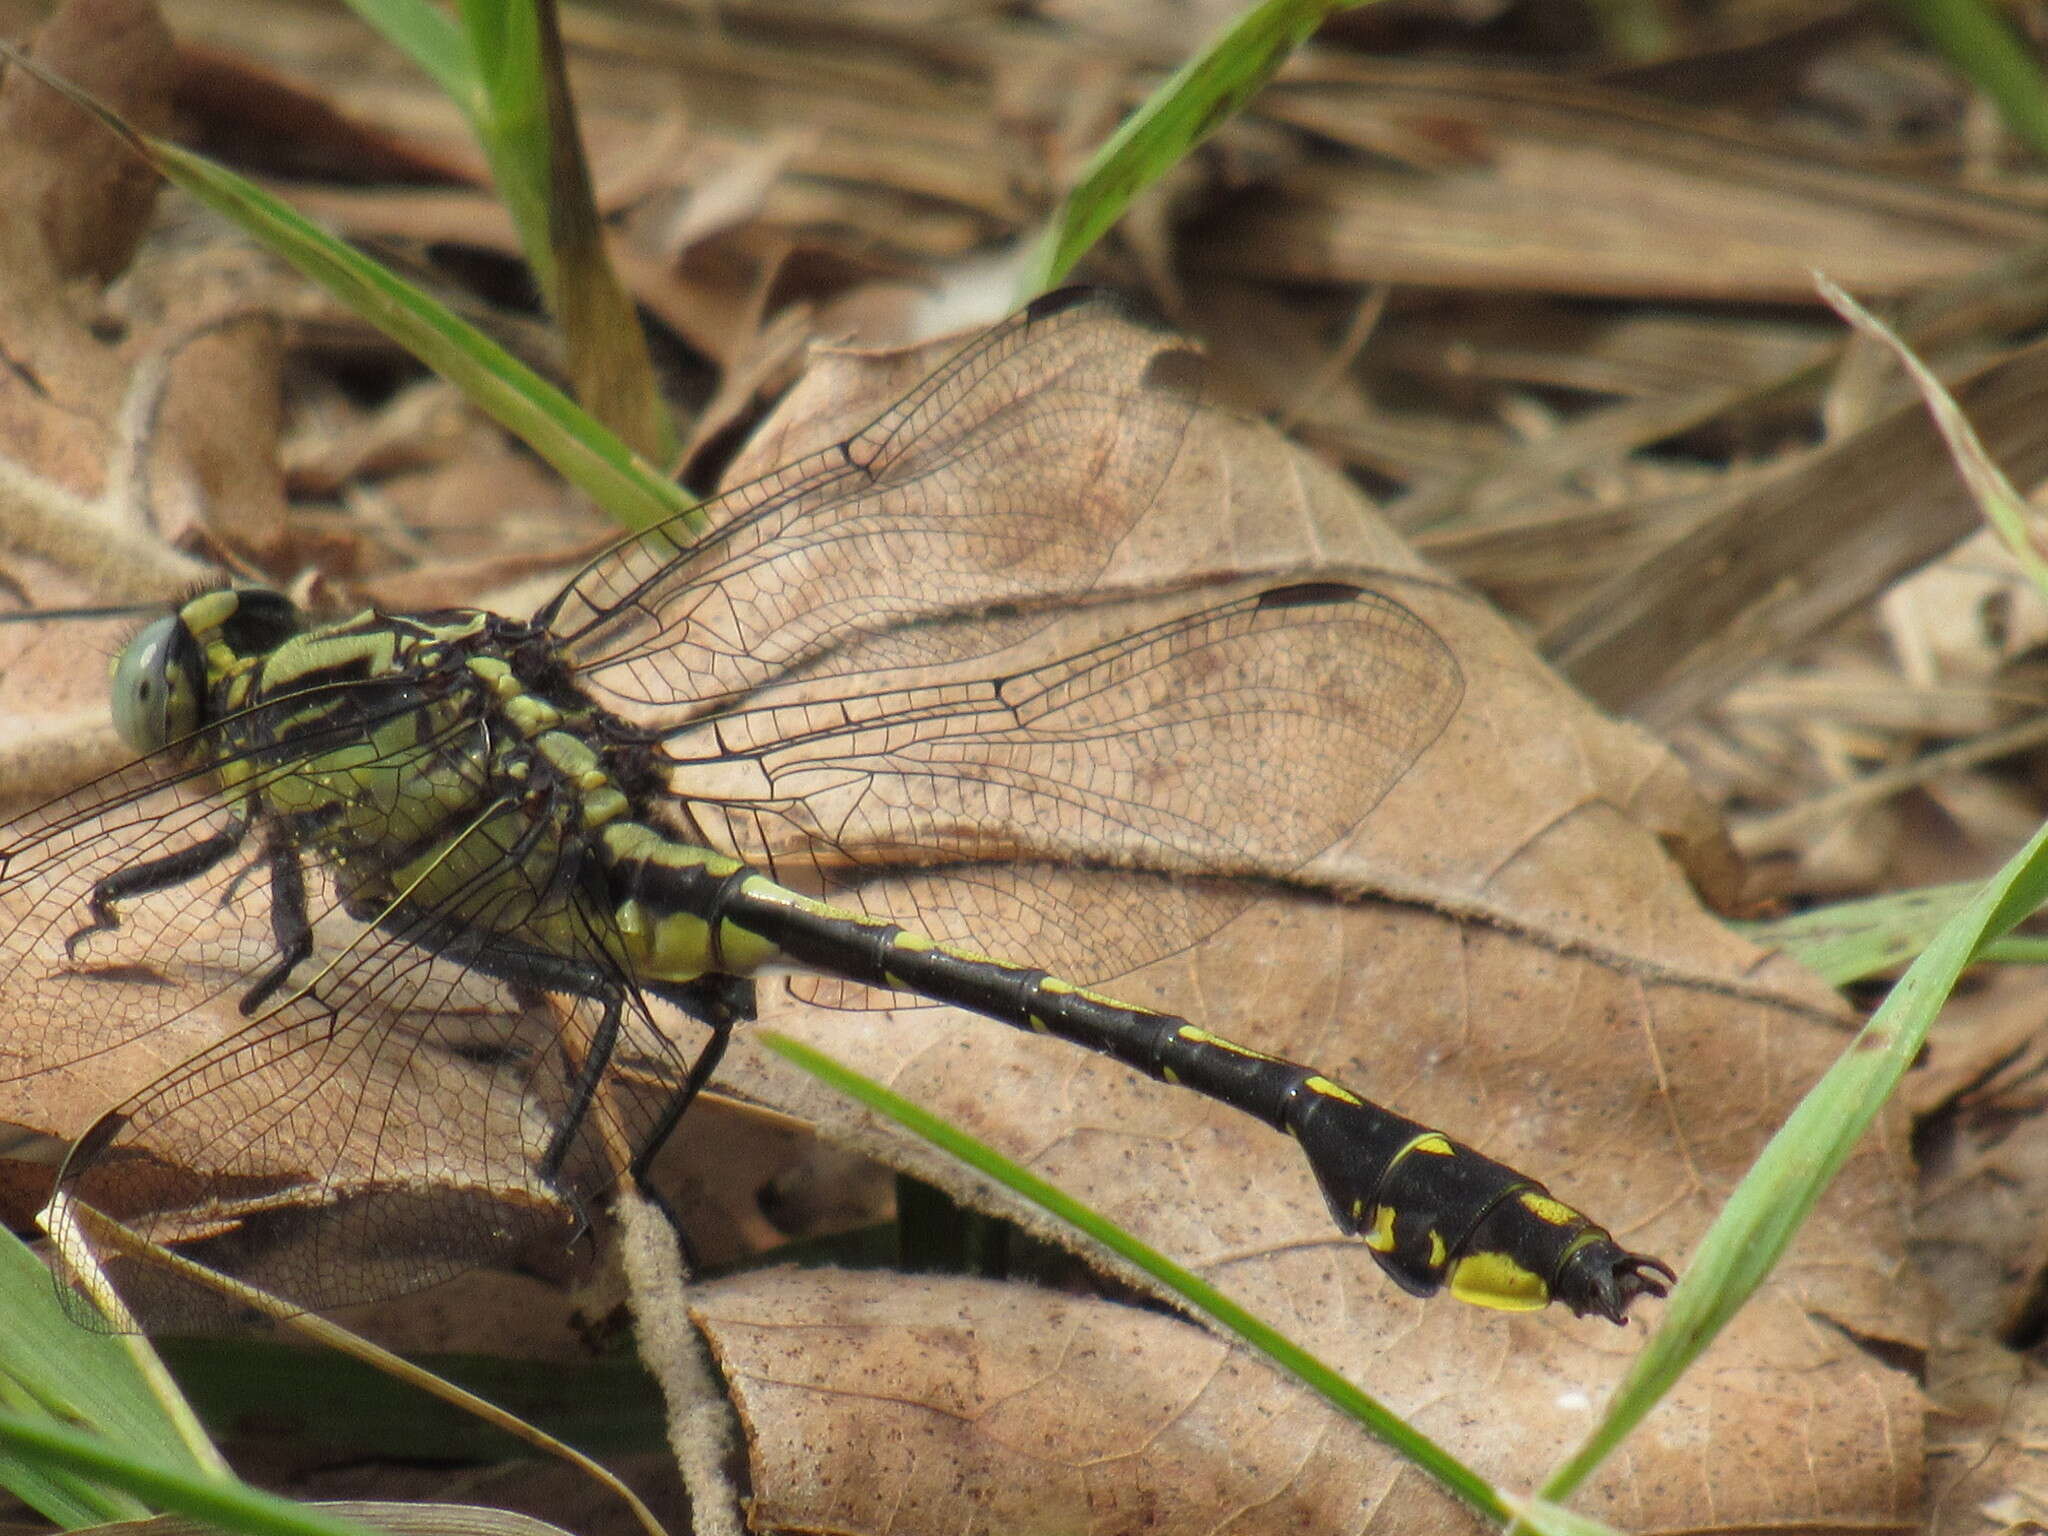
[[505, 67], [1780, 1189], [1547, 1519], [1636, 30], [228, 1505], [582, 450], [1980, 43], [430, 40], [1203, 94], [1851, 940], [1854, 939], [1454, 1476], [509, 115], [53, 1371], [2003, 507], [609, 362]]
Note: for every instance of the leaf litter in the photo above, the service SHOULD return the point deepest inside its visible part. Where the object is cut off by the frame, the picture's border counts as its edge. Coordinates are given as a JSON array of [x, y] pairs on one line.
[[1597, 379]]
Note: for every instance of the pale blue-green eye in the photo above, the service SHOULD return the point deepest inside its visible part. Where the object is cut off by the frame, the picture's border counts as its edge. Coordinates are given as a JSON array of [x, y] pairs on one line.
[[156, 697]]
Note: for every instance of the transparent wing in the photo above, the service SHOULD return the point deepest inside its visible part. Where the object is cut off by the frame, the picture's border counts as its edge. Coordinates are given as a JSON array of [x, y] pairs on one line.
[[1235, 741], [1008, 476], [406, 1097], [391, 1113]]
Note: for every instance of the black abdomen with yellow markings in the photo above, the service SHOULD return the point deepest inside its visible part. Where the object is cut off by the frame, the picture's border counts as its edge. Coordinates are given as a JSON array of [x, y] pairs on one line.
[[508, 839]]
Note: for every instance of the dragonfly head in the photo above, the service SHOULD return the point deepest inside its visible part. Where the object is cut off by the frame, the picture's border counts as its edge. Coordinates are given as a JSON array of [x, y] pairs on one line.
[[161, 681]]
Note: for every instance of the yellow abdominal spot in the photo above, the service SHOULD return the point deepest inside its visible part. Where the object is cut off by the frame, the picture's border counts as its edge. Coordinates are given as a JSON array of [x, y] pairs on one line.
[[1194, 1036], [1331, 1090], [1380, 1237], [1496, 1280], [1543, 1208], [1060, 988]]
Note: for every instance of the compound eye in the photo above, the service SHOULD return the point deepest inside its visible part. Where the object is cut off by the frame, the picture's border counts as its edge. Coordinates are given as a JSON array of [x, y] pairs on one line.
[[157, 686]]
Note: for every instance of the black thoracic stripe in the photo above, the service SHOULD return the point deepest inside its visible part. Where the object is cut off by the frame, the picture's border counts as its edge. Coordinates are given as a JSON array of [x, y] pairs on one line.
[[666, 886], [283, 730]]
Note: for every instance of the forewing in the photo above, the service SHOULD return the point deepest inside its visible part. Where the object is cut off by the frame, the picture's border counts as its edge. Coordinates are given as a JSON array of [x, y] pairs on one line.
[[73, 988], [68, 995], [1233, 741], [389, 1122], [1009, 476], [374, 1124]]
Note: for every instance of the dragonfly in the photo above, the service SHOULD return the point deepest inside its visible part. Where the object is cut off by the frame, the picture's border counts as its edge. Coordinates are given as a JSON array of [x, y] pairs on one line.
[[832, 732]]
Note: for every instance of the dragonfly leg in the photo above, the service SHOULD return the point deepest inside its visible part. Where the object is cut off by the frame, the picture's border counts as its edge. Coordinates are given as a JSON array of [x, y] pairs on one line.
[[722, 1003], [289, 925], [706, 1063], [583, 1086], [150, 876]]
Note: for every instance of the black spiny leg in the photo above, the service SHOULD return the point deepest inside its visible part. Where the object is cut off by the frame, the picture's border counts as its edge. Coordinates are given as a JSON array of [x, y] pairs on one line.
[[583, 1088], [150, 876], [721, 1003], [289, 925]]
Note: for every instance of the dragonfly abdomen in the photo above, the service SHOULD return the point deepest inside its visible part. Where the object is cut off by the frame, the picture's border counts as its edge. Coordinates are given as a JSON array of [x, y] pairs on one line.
[[1433, 1212]]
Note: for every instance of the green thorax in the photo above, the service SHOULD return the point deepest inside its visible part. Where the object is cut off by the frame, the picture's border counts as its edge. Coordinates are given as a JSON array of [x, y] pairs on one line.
[[407, 758]]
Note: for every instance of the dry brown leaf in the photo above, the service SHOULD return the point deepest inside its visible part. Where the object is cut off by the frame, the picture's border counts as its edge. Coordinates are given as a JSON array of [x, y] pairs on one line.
[[86, 457], [169, 431], [1985, 1470], [1503, 946], [1980, 1239], [923, 1404], [76, 206]]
